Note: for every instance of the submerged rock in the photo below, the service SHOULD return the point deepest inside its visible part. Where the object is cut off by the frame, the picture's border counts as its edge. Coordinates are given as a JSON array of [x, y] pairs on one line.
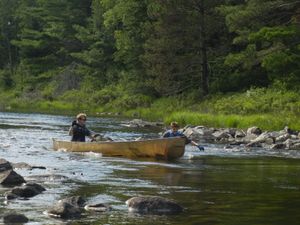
[[15, 219], [295, 146], [67, 208], [10, 177], [48, 177], [76, 201], [64, 210], [278, 146], [97, 207], [26, 191], [153, 205], [22, 165]]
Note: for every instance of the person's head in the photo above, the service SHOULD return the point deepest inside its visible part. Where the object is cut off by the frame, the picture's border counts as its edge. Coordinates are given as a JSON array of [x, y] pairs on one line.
[[81, 118], [174, 126]]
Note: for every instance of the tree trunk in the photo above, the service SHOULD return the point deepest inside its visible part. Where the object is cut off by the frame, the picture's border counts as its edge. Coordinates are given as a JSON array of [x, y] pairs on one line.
[[204, 63]]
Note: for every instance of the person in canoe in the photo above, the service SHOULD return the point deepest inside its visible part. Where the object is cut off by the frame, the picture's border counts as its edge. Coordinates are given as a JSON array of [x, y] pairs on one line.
[[78, 130], [174, 132]]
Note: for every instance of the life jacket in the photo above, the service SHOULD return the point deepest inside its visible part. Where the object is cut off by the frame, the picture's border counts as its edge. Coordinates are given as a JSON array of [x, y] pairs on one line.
[[79, 132]]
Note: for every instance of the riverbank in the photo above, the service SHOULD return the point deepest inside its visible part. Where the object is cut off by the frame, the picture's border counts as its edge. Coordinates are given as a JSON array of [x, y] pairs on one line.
[[269, 109]]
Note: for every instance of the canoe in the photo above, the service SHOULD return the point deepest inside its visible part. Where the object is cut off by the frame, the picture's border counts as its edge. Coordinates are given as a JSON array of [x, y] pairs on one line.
[[163, 148]]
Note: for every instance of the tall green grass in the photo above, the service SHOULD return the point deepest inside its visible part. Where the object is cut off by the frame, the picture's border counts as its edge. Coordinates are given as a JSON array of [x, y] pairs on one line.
[[264, 121], [270, 109]]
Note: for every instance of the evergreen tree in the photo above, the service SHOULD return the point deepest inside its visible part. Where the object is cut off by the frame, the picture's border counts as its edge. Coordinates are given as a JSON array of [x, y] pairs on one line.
[[182, 38], [267, 39]]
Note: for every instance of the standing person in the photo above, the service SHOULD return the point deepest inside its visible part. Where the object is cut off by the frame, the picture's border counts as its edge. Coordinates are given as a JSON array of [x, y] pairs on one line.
[[174, 132], [78, 130]]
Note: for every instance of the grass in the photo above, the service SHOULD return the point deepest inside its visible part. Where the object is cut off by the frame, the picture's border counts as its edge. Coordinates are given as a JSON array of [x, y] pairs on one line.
[[269, 109], [264, 121]]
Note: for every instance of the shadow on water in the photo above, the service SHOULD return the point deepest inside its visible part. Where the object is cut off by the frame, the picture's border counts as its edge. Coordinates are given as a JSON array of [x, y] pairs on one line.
[[214, 187]]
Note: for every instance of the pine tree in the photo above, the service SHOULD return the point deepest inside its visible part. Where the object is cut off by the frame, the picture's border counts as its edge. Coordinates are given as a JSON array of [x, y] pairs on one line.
[[267, 39]]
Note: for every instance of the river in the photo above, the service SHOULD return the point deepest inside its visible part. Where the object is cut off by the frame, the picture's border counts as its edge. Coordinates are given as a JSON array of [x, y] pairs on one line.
[[217, 186]]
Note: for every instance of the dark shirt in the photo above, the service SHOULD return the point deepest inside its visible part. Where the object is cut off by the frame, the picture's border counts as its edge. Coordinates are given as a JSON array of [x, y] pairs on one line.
[[79, 132], [170, 134]]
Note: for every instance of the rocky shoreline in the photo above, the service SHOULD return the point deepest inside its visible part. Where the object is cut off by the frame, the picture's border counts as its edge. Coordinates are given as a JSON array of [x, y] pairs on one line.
[[253, 137]]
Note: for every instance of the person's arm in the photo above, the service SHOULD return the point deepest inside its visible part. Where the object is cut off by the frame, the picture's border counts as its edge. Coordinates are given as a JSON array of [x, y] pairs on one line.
[[90, 134], [166, 134], [201, 148]]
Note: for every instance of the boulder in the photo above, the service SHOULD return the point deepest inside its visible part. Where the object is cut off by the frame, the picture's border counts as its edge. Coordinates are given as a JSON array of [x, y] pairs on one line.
[[153, 205], [67, 208], [76, 201], [292, 144], [294, 137], [278, 146], [10, 177], [249, 137], [97, 207], [15, 219], [26, 191], [221, 134], [231, 131], [192, 133], [295, 146], [265, 137], [283, 138], [199, 133], [239, 134], [4, 165], [287, 130], [254, 130], [64, 210]]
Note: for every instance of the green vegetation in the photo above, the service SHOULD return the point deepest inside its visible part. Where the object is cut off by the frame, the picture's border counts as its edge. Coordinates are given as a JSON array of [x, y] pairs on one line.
[[220, 63]]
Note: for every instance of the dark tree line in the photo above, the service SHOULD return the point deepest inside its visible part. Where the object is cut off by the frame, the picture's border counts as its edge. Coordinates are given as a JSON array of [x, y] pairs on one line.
[[149, 47]]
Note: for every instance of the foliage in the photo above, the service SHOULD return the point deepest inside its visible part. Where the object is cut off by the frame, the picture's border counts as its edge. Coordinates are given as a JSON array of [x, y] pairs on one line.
[[221, 57]]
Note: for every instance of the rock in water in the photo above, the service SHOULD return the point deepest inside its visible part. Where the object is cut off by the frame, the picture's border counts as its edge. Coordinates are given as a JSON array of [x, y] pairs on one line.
[[98, 207], [278, 146], [153, 205], [283, 138], [15, 219], [26, 191], [76, 201], [10, 177], [23, 165], [67, 208], [64, 210], [4, 165]]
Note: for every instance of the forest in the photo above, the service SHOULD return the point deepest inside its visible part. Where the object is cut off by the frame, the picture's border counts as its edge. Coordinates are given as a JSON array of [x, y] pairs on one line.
[[230, 63]]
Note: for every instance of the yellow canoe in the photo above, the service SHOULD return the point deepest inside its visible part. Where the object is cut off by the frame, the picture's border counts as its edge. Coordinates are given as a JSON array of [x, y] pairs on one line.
[[163, 148]]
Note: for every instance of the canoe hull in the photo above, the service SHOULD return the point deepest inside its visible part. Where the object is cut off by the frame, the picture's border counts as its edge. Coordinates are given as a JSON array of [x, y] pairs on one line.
[[170, 148]]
